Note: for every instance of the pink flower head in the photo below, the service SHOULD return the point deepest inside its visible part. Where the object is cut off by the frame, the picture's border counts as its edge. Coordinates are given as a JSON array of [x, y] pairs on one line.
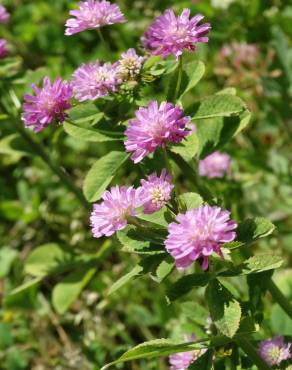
[[93, 14], [182, 360], [48, 104], [93, 80], [130, 64], [3, 48], [197, 234], [170, 34], [111, 215], [215, 165], [156, 192], [4, 15], [155, 126], [274, 351]]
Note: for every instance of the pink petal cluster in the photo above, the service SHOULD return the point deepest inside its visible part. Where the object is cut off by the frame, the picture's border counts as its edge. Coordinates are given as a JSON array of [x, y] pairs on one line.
[[48, 104], [182, 360], [3, 48], [275, 350], [197, 234], [130, 64], [111, 215], [94, 80], [215, 165], [93, 14], [155, 126], [171, 35], [4, 15], [156, 191]]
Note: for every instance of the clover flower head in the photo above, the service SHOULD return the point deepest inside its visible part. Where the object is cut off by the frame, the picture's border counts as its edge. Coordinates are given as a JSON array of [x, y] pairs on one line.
[[111, 215], [130, 64], [155, 126], [47, 105], [94, 80], [93, 14], [170, 34], [156, 191], [275, 350], [198, 233]]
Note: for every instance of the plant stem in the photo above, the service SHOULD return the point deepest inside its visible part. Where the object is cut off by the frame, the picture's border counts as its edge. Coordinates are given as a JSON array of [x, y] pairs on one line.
[[252, 353], [179, 78], [102, 39], [279, 297], [39, 150], [176, 204]]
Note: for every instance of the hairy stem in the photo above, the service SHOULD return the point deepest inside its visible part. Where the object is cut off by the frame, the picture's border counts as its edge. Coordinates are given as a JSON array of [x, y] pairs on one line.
[[279, 297], [252, 353]]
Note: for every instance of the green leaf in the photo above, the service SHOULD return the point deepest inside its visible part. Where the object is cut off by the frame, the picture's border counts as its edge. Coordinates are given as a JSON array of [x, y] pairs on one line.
[[151, 61], [85, 112], [189, 308], [224, 309], [66, 292], [257, 286], [191, 200], [46, 259], [125, 279], [185, 284], [23, 296], [101, 174], [253, 229], [188, 148], [135, 241], [191, 75], [88, 134], [155, 348], [216, 132], [148, 264], [221, 105], [159, 219], [256, 265], [15, 145], [7, 257], [164, 269]]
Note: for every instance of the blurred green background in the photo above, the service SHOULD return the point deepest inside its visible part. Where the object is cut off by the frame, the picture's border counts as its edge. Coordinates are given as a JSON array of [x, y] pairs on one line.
[[36, 209]]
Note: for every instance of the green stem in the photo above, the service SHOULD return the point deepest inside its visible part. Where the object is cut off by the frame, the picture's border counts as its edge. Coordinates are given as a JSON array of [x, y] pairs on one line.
[[176, 204], [279, 297], [179, 78], [102, 39], [39, 150], [252, 353]]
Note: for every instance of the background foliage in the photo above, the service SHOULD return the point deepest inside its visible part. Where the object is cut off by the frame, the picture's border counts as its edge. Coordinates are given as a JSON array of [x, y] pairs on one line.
[[63, 304]]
